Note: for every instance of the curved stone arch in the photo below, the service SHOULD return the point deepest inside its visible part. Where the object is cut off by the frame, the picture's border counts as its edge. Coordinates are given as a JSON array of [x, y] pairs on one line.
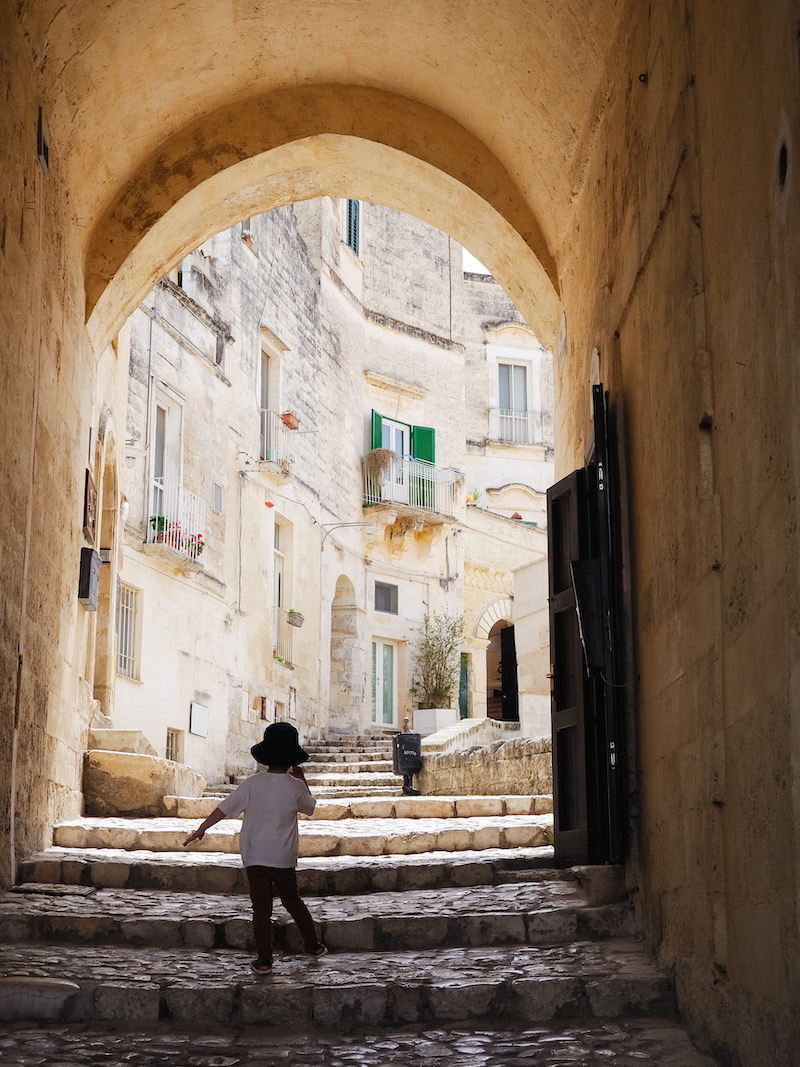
[[511, 334], [502, 608], [297, 144]]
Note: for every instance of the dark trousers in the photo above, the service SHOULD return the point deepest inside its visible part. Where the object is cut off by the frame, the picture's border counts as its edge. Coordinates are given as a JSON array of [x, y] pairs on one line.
[[264, 882]]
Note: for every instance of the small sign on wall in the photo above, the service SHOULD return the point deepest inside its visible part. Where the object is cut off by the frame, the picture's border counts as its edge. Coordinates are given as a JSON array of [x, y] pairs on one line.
[[198, 719], [89, 508]]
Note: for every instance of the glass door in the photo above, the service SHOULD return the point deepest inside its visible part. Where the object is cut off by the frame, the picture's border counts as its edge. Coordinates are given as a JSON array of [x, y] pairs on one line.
[[397, 437], [384, 682]]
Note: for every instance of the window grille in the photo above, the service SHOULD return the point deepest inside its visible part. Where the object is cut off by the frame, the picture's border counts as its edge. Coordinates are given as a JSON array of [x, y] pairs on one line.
[[353, 235], [173, 751], [128, 622], [386, 597]]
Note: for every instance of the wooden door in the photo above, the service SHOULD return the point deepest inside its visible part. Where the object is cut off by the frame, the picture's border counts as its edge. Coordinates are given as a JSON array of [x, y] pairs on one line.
[[584, 554], [508, 674], [567, 541]]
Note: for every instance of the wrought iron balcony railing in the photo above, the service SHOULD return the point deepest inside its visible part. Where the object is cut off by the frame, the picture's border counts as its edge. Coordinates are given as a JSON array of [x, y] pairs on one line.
[[276, 440], [177, 519], [515, 427], [412, 482]]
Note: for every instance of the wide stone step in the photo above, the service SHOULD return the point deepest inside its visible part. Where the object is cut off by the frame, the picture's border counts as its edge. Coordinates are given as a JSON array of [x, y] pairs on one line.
[[348, 781], [345, 756], [377, 766], [386, 807], [653, 1041], [219, 872], [349, 991], [538, 912], [348, 837], [338, 792]]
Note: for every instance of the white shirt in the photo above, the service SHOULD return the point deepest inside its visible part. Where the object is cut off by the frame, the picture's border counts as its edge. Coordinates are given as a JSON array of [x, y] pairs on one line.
[[270, 803]]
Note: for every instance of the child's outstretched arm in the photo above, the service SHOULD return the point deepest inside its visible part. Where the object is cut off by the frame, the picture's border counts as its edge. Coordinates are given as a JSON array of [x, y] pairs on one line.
[[216, 815]]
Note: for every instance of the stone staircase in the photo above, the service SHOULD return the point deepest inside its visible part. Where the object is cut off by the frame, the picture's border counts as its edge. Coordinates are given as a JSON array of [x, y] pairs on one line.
[[438, 911]]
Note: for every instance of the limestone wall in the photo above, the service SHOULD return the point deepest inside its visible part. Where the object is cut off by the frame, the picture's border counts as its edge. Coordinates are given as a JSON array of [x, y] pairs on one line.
[[689, 302], [519, 766]]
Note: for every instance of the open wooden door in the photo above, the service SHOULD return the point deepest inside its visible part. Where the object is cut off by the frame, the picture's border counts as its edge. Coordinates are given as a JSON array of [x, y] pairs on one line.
[[583, 556]]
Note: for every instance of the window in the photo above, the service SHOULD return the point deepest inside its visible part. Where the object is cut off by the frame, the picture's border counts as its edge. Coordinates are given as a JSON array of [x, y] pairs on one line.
[[278, 581], [353, 225], [176, 275], [386, 597], [167, 450], [515, 416], [384, 682], [174, 746], [415, 442], [129, 637], [217, 498]]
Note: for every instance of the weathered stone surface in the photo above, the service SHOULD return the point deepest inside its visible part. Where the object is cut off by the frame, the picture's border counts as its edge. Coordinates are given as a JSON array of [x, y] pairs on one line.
[[34, 998], [125, 783], [518, 766], [111, 740]]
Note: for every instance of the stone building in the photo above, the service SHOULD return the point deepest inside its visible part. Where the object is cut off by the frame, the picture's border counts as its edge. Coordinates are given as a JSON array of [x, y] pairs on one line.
[[264, 370], [628, 173]]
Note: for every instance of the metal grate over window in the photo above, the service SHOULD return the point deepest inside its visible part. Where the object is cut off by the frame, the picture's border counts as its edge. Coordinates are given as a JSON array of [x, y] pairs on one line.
[[128, 631], [173, 750]]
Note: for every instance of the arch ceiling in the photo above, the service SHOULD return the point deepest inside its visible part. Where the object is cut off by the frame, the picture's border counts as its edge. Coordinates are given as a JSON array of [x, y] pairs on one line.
[[147, 101]]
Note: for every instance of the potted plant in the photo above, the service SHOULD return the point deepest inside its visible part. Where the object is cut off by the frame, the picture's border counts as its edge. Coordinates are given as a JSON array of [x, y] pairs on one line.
[[291, 419], [160, 526], [194, 545], [436, 665], [295, 618]]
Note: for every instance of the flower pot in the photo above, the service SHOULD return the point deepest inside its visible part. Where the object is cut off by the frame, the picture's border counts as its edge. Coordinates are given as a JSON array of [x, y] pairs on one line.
[[291, 419], [294, 618]]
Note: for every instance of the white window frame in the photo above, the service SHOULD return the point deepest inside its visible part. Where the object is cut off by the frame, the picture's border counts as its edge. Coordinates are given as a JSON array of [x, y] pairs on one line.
[[513, 356], [129, 632], [172, 404], [378, 681]]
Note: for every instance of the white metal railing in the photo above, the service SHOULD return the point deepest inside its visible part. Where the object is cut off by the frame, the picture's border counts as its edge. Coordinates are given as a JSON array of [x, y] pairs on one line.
[[515, 427], [416, 483], [276, 440], [177, 518], [282, 637]]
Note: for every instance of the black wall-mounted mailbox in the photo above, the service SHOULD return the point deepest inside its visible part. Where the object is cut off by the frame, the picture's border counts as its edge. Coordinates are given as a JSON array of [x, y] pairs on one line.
[[89, 580]]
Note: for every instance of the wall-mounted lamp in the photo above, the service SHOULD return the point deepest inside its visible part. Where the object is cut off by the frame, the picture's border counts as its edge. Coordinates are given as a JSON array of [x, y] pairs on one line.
[[369, 527]]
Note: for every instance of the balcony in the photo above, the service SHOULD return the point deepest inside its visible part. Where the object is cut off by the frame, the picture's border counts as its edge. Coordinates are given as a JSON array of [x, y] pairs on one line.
[[276, 441], [283, 634], [412, 483], [177, 520], [511, 427]]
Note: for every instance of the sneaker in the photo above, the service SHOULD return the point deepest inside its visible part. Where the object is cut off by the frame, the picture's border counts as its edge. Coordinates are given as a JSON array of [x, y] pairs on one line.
[[260, 967], [318, 950]]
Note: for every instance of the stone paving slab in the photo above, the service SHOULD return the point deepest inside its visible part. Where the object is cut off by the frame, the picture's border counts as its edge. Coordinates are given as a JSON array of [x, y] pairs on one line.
[[537, 913], [349, 991], [221, 872], [656, 1042], [386, 807], [340, 778], [350, 837], [323, 765]]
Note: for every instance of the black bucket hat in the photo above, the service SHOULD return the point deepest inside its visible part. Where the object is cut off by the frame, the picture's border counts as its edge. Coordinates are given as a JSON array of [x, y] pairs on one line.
[[280, 747]]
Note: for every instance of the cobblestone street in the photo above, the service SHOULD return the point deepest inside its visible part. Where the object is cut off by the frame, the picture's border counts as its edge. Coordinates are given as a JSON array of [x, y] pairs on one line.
[[660, 1042]]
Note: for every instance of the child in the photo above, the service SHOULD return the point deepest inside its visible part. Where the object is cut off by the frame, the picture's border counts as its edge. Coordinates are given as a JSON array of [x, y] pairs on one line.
[[269, 839]]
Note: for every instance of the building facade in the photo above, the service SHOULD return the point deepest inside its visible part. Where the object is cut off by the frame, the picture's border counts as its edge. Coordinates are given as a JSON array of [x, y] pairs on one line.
[[333, 430]]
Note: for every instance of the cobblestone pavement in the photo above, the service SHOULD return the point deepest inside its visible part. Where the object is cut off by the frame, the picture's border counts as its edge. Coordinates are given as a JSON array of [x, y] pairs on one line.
[[625, 1043]]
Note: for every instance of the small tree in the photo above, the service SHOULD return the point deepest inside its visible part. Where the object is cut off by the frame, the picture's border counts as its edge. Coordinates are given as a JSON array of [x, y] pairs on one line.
[[436, 660]]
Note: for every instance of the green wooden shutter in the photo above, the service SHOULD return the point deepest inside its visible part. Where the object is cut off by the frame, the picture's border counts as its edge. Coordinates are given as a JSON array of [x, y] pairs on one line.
[[423, 443], [377, 430]]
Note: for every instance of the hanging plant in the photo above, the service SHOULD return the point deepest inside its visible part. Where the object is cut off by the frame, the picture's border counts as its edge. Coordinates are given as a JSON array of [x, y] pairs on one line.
[[378, 463]]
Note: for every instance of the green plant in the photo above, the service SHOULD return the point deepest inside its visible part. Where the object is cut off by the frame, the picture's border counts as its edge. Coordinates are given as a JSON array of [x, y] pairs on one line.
[[436, 662], [159, 523]]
